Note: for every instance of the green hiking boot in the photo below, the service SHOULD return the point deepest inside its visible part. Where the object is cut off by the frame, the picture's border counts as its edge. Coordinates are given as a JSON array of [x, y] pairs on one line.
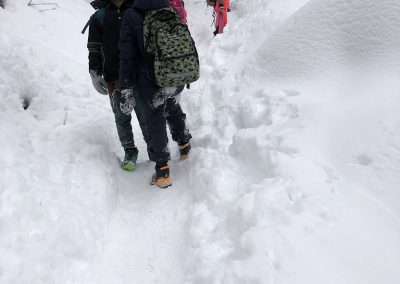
[[129, 162]]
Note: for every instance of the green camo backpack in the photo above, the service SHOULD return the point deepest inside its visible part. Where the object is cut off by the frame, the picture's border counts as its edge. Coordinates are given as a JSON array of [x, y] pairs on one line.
[[171, 53]]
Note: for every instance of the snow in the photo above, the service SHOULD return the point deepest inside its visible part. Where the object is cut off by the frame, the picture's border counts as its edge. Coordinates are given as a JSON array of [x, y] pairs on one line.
[[332, 33], [294, 175]]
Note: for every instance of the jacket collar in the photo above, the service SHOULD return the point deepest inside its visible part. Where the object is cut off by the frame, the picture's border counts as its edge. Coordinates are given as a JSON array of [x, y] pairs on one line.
[[124, 5]]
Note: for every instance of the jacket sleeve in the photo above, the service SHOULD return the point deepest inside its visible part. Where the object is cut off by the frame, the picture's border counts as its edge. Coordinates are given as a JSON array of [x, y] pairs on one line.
[[128, 51], [94, 46]]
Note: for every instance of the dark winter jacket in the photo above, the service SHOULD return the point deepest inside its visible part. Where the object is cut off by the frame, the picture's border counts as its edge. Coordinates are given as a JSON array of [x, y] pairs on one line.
[[132, 66], [103, 39]]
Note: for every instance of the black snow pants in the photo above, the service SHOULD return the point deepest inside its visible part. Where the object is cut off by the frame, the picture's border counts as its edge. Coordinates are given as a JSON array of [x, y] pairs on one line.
[[152, 120]]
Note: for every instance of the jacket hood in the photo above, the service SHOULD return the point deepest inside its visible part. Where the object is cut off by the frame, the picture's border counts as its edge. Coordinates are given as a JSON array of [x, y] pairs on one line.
[[148, 5]]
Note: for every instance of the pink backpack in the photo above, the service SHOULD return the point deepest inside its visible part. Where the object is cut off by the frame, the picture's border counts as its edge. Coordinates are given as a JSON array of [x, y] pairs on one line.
[[180, 8]]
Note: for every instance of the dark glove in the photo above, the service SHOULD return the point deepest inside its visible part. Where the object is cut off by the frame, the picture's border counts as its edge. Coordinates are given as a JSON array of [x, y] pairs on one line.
[[127, 100], [98, 82]]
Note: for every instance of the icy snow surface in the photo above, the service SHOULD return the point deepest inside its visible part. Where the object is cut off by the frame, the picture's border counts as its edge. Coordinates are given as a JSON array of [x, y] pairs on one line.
[[294, 175]]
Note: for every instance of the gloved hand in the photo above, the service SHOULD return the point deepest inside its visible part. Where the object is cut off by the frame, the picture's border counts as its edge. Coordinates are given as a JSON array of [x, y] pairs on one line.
[[127, 100], [98, 82]]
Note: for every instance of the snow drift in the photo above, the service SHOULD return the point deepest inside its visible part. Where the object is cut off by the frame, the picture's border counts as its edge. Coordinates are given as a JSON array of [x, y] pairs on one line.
[[329, 34]]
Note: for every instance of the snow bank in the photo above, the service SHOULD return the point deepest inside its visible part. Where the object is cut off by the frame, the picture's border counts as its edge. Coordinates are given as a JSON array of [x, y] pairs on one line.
[[54, 200], [324, 35], [282, 173], [236, 196]]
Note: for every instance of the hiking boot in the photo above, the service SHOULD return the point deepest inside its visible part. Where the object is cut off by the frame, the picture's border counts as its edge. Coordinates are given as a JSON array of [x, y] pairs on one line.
[[184, 150], [161, 177], [129, 162]]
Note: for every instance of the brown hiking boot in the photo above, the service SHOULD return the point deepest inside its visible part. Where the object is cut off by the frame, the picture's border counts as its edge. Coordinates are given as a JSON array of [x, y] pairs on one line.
[[184, 150], [161, 177]]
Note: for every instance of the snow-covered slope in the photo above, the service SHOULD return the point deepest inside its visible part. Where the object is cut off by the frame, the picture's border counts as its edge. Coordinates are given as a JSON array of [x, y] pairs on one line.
[[54, 196], [317, 158], [294, 175], [334, 34]]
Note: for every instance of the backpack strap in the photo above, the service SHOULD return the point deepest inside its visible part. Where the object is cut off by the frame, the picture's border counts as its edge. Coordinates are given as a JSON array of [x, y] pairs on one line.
[[87, 25], [99, 15]]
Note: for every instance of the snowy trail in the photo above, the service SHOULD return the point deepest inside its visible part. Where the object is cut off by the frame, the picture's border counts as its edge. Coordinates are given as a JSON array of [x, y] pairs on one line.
[[145, 239]]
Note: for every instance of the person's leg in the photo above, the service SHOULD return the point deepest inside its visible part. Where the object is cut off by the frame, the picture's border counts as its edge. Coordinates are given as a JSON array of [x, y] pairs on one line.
[[156, 132], [124, 129], [122, 121], [158, 146], [157, 139], [176, 120], [140, 109]]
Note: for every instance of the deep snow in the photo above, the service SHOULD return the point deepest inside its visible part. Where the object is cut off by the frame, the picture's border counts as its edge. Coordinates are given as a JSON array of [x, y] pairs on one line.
[[294, 175]]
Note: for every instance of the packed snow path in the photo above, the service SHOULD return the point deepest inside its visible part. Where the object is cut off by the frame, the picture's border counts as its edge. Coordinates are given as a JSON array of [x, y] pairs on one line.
[[145, 239], [295, 168]]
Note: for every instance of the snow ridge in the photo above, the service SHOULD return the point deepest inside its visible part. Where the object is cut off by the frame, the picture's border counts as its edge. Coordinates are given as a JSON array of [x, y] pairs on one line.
[[324, 35]]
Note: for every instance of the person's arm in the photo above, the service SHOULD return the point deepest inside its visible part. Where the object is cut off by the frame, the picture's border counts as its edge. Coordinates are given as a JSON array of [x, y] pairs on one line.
[[94, 46]]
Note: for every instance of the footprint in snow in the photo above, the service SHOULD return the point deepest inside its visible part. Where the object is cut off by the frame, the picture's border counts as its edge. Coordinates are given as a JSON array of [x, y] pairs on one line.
[[364, 160]]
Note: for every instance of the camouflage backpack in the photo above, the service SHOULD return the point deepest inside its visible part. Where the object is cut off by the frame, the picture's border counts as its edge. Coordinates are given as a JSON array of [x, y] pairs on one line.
[[170, 52]]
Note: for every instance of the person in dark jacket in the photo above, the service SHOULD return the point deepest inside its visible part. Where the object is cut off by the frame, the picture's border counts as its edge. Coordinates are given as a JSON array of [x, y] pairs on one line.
[[104, 32], [133, 74], [104, 70]]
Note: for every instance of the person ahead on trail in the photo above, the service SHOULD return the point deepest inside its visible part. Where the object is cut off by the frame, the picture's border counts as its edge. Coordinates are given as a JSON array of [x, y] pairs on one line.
[[104, 70], [135, 73], [103, 40], [179, 6], [221, 7]]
